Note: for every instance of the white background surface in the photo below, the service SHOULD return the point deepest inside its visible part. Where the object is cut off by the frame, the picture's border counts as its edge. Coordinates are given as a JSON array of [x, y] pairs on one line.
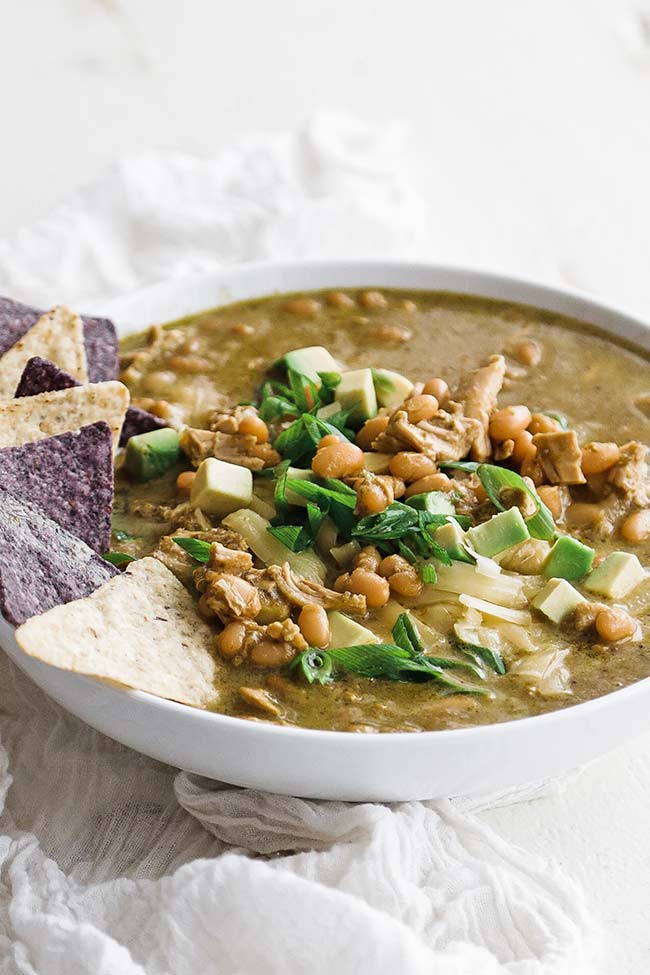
[[529, 130]]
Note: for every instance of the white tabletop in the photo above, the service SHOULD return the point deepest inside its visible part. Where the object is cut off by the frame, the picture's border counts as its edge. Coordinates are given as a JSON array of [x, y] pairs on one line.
[[528, 126]]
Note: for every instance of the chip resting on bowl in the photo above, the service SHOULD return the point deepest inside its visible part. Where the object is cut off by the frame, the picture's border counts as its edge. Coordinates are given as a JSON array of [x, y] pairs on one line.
[[41, 376], [69, 478], [141, 630], [41, 564], [100, 338], [63, 410], [58, 335]]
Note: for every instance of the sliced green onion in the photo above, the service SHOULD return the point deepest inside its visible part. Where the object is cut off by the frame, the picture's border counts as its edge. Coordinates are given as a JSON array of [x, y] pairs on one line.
[[198, 549]]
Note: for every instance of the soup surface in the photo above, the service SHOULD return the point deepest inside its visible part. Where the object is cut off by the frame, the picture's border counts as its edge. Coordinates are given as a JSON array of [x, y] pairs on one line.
[[484, 612]]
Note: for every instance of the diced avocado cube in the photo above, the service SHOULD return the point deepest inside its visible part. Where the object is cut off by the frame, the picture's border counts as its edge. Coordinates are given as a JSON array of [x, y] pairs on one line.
[[568, 559], [220, 488], [310, 361], [345, 632], [557, 600], [500, 533], [356, 391], [302, 474], [149, 455], [616, 576], [392, 388], [325, 412], [451, 536], [376, 462], [435, 502]]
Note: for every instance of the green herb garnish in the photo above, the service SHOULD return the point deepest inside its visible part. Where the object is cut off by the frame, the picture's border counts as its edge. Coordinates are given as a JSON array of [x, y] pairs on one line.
[[198, 549], [118, 558], [497, 479]]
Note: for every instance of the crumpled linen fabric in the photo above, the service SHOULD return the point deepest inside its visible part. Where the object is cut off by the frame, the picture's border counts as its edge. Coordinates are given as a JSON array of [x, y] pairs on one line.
[[113, 864]]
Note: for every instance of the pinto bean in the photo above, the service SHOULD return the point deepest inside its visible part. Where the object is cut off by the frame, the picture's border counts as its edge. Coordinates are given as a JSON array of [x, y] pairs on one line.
[[372, 498], [613, 624], [370, 585], [368, 558], [509, 423], [184, 482], [252, 425], [636, 527], [314, 625], [339, 299], [523, 448], [302, 306], [371, 430], [231, 639], [271, 653], [599, 457], [374, 300], [422, 407], [438, 388], [528, 353], [337, 459], [432, 482], [406, 584]]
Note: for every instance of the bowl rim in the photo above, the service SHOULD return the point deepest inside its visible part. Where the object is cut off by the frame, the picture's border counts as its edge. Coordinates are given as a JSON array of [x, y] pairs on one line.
[[462, 280]]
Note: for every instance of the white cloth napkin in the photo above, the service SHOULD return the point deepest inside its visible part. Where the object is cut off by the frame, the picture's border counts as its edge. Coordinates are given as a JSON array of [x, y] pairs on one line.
[[105, 865]]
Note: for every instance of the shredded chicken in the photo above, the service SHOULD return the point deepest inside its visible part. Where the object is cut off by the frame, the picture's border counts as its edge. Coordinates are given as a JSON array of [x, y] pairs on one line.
[[477, 393], [449, 435], [301, 592], [560, 456], [235, 448], [265, 595], [183, 565], [630, 475]]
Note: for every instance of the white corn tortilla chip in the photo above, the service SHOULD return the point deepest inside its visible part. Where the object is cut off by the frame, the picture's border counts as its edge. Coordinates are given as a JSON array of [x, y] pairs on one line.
[[58, 335], [141, 630], [63, 411]]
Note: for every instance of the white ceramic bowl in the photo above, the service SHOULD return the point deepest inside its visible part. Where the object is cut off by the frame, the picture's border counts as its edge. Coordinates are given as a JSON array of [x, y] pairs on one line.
[[336, 765]]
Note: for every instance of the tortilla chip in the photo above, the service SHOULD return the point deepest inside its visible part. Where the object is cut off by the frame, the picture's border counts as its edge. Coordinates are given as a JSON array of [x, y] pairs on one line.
[[142, 630], [139, 421], [41, 564], [40, 376], [100, 337], [69, 479], [101, 349], [62, 411], [58, 336]]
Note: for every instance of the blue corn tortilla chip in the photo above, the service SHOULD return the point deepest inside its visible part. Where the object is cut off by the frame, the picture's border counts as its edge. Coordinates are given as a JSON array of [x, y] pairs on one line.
[[42, 376], [69, 478], [100, 338], [41, 564], [139, 421]]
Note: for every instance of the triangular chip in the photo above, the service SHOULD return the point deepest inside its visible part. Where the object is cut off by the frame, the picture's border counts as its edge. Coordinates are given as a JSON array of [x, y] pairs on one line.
[[40, 376], [58, 336], [101, 349], [141, 630], [41, 564], [100, 337], [69, 479], [62, 411]]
